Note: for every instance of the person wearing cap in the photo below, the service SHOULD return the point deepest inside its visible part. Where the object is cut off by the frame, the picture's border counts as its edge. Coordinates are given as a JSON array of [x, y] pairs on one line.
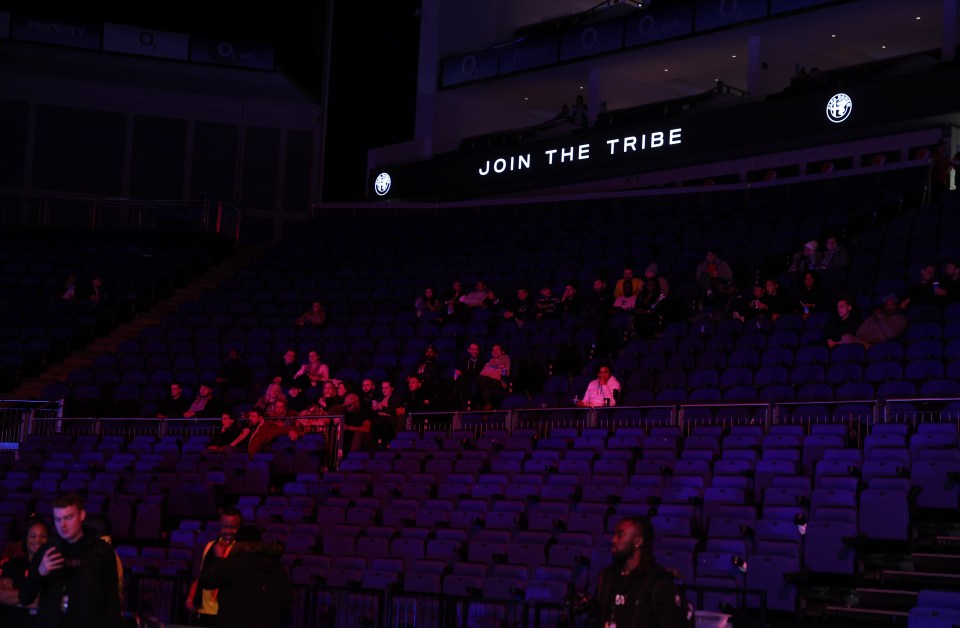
[[886, 323], [806, 259]]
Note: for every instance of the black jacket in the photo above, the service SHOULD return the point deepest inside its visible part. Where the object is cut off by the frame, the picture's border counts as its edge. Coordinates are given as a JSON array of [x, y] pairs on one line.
[[254, 589], [89, 579], [649, 598]]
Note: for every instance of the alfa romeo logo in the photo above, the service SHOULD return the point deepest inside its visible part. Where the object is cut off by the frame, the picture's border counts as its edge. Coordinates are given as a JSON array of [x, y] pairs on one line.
[[839, 108], [381, 184]]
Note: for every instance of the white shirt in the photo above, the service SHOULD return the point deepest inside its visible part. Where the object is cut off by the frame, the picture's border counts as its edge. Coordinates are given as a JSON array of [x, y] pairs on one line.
[[596, 393]]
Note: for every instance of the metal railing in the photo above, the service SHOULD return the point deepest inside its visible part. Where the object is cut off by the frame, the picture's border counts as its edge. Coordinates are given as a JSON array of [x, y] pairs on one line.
[[17, 415]]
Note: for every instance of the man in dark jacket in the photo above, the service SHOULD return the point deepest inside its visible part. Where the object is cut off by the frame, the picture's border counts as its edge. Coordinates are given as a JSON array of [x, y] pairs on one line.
[[635, 591], [254, 587], [75, 575]]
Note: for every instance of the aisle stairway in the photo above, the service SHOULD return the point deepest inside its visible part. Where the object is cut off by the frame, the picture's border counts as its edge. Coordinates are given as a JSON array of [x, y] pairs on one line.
[[241, 258]]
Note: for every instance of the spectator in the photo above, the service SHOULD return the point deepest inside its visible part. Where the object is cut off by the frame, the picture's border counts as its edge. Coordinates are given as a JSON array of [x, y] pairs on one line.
[[175, 405], [428, 305], [636, 590], [263, 433], [647, 314], [601, 392], [297, 400], [753, 306], [390, 409], [316, 316], [13, 573], [204, 404], [886, 323], [924, 290], [357, 425], [428, 370], [809, 296], [97, 293], [76, 578], [233, 373], [465, 377], [712, 276], [203, 603], [774, 300], [626, 291], [493, 376], [418, 398], [730, 304], [230, 434], [941, 166], [70, 288], [842, 328], [806, 259], [285, 370], [579, 114], [951, 282], [570, 301], [272, 395], [521, 309], [835, 256], [254, 588], [652, 271], [597, 305], [481, 296], [278, 410], [313, 372], [453, 302], [547, 304], [329, 398]]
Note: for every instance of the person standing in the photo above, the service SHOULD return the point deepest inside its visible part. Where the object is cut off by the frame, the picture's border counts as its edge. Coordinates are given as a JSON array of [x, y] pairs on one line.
[[636, 591], [75, 575], [254, 588], [202, 603]]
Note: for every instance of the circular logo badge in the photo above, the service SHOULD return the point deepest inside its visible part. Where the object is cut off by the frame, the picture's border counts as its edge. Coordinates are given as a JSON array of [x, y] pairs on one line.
[[839, 108], [381, 185]]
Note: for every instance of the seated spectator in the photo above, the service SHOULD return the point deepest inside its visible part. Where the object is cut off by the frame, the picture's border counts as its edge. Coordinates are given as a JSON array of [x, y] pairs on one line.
[[271, 395], [429, 370], [428, 305], [712, 276], [547, 304], [233, 373], [313, 372], [843, 326], [652, 271], [13, 575], [204, 404], [175, 405], [492, 379], [230, 434], [886, 323], [597, 305], [285, 370], [570, 302], [626, 291], [453, 303], [329, 398], [465, 377], [834, 257], [924, 290], [278, 410], [356, 426], [390, 410], [418, 398], [97, 293], [603, 391], [521, 309], [775, 300], [316, 316], [481, 296], [950, 286], [646, 313], [70, 288], [752, 305], [809, 296], [732, 303], [806, 259], [297, 400], [263, 432]]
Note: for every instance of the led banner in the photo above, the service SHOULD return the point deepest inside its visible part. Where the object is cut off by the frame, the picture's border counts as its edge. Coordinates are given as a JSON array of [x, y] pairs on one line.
[[669, 20], [59, 32], [815, 118], [589, 40], [135, 40], [718, 13], [532, 52], [472, 66], [236, 52]]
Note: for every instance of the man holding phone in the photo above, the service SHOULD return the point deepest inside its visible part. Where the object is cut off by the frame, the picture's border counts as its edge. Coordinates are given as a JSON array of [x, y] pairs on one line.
[[75, 575]]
